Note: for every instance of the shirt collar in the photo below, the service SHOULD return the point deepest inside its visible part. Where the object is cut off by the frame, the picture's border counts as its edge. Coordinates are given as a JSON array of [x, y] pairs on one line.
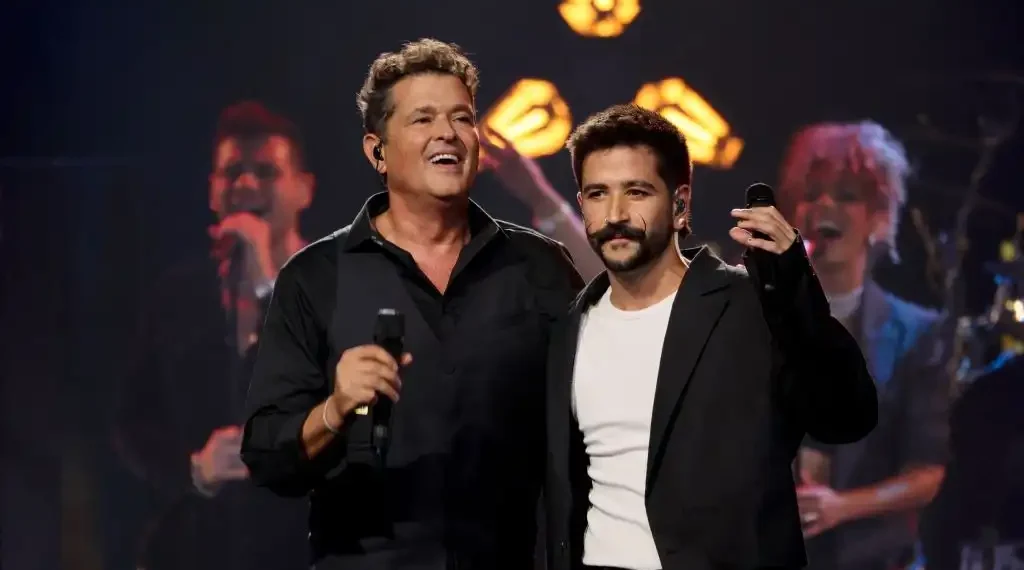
[[481, 225]]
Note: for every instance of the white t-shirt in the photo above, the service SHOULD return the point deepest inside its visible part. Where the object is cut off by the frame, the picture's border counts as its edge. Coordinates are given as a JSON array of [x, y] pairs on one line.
[[617, 361], [845, 305]]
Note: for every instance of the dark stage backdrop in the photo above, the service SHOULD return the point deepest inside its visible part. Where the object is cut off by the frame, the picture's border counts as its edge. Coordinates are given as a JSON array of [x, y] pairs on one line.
[[128, 93]]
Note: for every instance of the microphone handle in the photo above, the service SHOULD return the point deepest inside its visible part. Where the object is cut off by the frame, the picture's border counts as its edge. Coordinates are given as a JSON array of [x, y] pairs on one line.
[[381, 413], [233, 284], [236, 268], [765, 266]]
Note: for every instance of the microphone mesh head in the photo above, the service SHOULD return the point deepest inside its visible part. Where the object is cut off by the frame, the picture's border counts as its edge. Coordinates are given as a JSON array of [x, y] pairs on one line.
[[390, 324], [760, 194]]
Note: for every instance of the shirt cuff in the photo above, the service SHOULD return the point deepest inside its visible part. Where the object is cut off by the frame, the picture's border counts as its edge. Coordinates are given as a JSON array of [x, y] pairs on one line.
[[291, 440], [794, 266]]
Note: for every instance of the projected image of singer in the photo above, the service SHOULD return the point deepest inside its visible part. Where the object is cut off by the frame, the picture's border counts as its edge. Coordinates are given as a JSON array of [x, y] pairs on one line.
[[680, 386], [460, 483], [180, 412], [844, 186]]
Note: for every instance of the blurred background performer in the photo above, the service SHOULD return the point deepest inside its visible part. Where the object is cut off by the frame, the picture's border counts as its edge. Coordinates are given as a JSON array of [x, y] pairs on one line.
[[180, 415], [460, 485], [550, 214], [843, 186]]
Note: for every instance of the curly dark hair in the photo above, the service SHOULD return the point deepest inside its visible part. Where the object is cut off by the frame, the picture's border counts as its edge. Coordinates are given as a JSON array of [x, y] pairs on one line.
[[422, 56], [252, 119], [630, 125]]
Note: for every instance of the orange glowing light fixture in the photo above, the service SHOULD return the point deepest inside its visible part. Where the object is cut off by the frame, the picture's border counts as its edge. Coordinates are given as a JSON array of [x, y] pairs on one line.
[[706, 132], [599, 18], [533, 117]]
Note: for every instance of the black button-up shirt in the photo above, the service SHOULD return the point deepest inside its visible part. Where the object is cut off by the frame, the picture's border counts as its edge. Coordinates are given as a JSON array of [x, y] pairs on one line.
[[462, 478]]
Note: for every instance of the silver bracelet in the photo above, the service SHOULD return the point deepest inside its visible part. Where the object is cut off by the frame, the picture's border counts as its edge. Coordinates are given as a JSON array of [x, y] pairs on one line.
[[327, 424]]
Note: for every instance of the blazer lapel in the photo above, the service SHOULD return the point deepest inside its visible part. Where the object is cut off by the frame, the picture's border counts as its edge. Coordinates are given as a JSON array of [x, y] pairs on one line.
[[695, 311], [562, 368], [560, 385], [881, 336]]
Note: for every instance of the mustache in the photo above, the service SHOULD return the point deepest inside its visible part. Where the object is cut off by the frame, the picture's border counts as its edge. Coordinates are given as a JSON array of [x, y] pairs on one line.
[[617, 230]]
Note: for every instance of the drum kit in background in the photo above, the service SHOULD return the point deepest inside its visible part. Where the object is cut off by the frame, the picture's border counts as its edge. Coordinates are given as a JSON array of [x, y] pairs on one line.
[[976, 521]]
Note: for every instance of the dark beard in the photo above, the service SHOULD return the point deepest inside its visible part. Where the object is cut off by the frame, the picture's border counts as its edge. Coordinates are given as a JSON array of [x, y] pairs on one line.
[[650, 246]]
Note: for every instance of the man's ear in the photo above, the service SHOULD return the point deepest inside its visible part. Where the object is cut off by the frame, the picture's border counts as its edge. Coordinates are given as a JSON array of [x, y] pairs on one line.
[[376, 157], [307, 185], [681, 207], [881, 225]]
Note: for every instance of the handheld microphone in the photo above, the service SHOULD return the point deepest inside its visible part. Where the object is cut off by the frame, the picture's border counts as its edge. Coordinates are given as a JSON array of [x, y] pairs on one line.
[[388, 333], [232, 253], [230, 250], [760, 195]]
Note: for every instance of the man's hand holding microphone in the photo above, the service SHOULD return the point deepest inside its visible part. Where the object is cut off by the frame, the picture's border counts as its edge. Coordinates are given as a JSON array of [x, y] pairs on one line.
[[363, 374], [250, 233]]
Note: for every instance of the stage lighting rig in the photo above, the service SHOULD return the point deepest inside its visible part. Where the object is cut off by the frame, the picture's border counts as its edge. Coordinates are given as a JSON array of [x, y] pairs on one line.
[[599, 18], [706, 132], [533, 117]]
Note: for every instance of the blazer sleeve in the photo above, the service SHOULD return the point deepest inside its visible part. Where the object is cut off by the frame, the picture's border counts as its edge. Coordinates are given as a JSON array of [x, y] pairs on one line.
[[926, 390], [824, 380]]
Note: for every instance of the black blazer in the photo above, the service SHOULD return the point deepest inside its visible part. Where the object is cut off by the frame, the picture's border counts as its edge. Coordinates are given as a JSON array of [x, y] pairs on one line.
[[745, 373]]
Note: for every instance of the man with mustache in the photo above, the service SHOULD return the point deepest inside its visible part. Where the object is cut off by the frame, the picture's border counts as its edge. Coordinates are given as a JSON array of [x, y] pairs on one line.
[[178, 422], [460, 484], [844, 184], [680, 387]]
